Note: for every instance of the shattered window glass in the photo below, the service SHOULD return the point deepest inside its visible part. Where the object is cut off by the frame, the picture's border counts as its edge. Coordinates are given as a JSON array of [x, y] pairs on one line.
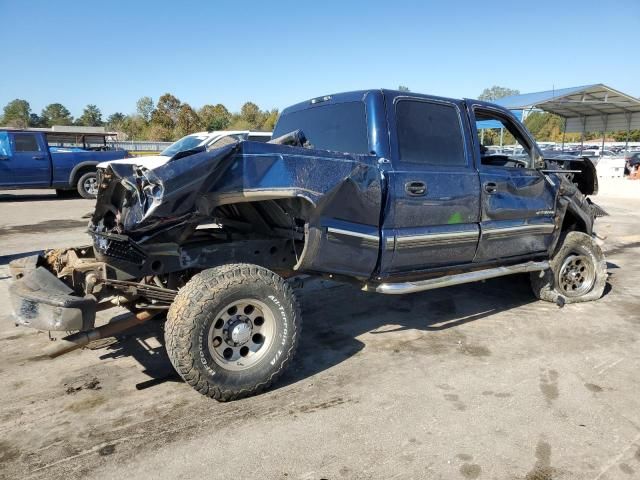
[[340, 127]]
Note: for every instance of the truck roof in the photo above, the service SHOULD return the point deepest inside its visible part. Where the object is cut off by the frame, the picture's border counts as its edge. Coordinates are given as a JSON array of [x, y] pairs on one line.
[[360, 95]]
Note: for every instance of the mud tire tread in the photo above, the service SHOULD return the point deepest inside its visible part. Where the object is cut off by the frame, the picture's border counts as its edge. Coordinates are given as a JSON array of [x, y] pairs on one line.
[[187, 313]]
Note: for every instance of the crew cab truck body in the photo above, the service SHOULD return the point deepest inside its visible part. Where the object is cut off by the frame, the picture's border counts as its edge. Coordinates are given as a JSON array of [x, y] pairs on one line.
[[391, 191], [30, 159]]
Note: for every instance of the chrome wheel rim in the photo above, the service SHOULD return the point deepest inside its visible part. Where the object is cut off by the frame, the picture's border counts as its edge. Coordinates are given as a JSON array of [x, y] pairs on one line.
[[90, 185], [577, 275], [240, 334]]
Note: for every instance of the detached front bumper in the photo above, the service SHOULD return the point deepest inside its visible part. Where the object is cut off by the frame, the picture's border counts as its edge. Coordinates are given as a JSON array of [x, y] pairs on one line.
[[41, 300]]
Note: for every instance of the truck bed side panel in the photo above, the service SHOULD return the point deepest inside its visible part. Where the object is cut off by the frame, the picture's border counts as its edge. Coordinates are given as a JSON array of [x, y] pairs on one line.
[[65, 162]]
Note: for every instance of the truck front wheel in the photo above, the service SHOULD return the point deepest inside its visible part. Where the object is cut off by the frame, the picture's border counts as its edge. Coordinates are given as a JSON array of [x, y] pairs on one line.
[[88, 185], [577, 273], [232, 330]]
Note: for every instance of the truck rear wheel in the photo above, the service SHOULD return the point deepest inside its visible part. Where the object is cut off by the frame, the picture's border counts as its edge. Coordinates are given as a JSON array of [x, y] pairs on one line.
[[577, 273], [232, 330], [88, 185]]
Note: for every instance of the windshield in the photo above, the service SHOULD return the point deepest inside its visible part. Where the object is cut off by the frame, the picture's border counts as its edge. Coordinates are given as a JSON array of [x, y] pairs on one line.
[[185, 143]]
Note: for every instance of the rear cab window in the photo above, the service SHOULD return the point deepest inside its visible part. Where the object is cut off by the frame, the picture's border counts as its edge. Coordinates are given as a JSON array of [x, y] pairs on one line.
[[339, 127], [429, 134], [25, 142], [259, 138]]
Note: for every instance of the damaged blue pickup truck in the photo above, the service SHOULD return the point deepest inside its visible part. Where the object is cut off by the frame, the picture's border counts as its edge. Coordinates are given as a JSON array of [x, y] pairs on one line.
[[391, 191]]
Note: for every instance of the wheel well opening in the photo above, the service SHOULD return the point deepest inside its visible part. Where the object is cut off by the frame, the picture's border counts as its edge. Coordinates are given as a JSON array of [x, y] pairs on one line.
[[81, 171], [273, 230], [573, 223]]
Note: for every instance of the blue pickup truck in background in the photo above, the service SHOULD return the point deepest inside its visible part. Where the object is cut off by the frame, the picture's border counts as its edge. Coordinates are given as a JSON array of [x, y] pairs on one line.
[[47, 159]]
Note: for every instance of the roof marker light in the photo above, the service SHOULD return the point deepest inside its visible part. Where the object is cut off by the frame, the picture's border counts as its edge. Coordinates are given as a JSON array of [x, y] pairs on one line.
[[320, 99]]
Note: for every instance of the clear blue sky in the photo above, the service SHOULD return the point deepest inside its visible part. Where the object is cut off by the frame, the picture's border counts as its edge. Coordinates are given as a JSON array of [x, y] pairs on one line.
[[278, 53]]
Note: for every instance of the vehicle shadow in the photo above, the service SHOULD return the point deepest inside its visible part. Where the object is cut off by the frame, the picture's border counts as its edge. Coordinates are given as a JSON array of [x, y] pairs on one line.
[[334, 316], [7, 259], [34, 197]]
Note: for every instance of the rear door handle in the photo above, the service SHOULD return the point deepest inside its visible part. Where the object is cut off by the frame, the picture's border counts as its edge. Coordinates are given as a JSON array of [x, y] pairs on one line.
[[490, 187], [415, 188], [38, 157]]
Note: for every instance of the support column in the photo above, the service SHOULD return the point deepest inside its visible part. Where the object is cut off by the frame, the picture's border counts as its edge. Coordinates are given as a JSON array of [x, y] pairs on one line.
[[626, 143], [605, 121]]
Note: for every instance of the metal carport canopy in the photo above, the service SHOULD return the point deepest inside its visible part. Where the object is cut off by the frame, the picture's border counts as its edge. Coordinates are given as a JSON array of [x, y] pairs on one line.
[[589, 108]]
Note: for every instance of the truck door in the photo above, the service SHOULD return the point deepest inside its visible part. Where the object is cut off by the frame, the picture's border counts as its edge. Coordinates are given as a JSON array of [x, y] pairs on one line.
[[518, 201], [28, 162], [433, 207]]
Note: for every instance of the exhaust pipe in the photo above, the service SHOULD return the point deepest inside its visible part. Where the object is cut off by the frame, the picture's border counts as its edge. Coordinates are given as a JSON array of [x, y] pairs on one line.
[[81, 339]]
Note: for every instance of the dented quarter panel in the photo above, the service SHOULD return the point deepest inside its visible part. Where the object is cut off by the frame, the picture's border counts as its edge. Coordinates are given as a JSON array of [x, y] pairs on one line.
[[343, 189]]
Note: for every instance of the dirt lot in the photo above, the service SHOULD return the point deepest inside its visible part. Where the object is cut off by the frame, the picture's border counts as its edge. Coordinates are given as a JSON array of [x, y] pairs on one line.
[[476, 381]]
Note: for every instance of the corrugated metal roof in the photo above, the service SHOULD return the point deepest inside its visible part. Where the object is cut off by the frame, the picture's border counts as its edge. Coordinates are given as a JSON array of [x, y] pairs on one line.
[[594, 107], [529, 100]]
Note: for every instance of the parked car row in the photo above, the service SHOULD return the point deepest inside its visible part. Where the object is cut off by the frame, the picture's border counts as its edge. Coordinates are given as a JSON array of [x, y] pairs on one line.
[[37, 159]]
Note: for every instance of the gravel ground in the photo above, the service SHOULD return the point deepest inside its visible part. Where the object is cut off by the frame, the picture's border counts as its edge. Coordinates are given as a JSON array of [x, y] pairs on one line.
[[475, 381]]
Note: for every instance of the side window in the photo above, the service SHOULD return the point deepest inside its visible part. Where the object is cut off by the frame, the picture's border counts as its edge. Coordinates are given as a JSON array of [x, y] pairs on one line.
[[429, 133], [25, 142], [501, 143], [5, 150]]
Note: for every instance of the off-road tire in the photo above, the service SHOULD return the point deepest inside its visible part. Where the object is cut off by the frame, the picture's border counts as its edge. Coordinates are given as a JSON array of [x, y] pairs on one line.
[[80, 185], [192, 316], [546, 285]]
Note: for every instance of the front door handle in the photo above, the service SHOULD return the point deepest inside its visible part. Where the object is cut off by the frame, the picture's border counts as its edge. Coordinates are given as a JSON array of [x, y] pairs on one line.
[[38, 157], [490, 187], [415, 188]]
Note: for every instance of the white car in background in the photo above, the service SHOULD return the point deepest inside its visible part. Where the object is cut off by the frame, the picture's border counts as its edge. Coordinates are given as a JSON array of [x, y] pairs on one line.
[[208, 140]]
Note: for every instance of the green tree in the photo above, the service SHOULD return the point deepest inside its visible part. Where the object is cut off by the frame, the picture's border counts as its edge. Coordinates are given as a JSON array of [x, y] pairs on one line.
[[545, 126], [56, 114], [239, 123], [187, 122], [144, 107], [134, 127], [115, 121], [214, 117], [166, 112], [496, 92], [270, 120], [17, 114], [35, 120], [250, 112], [402, 88], [91, 116], [159, 133]]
